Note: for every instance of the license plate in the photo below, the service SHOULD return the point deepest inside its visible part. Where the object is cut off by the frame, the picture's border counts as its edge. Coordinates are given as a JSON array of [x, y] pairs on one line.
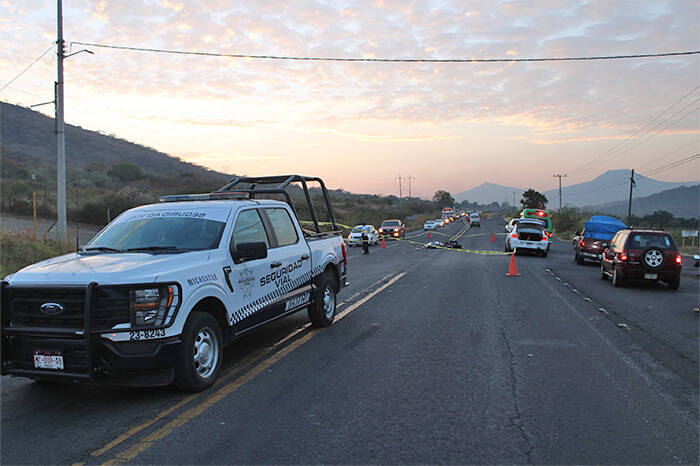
[[48, 360], [650, 276]]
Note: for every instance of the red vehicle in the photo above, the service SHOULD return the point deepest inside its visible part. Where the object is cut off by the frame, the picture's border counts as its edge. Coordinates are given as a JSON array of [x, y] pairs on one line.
[[394, 228], [642, 254]]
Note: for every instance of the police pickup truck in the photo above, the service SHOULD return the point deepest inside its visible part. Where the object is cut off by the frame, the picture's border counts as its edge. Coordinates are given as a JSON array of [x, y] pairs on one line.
[[157, 294]]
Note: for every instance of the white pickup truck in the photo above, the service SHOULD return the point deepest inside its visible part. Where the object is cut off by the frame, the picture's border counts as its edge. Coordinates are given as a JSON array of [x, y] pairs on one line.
[[157, 294]]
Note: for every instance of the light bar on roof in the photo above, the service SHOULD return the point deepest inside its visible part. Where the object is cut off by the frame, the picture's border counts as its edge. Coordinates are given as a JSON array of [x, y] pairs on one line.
[[205, 197]]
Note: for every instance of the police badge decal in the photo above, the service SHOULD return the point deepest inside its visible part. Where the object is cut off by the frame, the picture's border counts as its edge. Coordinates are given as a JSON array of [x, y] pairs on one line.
[[246, 281]]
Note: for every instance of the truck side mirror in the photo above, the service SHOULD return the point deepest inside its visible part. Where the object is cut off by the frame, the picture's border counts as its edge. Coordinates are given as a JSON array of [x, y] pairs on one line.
[[249, 251]]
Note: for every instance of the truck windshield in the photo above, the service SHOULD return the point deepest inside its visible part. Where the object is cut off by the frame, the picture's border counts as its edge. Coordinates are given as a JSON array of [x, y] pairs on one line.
[[391, 223], [169, 234]]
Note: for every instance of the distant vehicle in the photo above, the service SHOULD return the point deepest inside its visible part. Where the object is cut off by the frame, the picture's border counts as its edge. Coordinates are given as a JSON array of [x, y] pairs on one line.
[[540, 214], [597, 233], [475, 220], [446, 220], [528, 235], [394, 228], [642, 254], [429, 225], [448, 212], [439, 222], [355, 236]]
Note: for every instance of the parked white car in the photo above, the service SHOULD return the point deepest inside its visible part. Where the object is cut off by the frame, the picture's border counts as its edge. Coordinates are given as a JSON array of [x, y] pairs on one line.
[[429, 225], [528, 235], [439, 222], [355, 236]]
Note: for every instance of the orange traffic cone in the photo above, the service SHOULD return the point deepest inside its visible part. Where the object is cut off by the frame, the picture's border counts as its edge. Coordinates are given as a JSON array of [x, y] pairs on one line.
[[513, 268], [493, 237], [428, 235], [383, 243]]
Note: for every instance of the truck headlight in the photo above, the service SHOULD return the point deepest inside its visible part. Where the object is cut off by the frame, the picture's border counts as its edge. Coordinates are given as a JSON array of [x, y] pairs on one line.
[[153, 307]]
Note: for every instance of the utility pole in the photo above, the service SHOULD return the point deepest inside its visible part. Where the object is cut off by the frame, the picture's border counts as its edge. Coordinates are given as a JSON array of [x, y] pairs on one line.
[[400, 186], [61, 223], [409, 184], [629, 205], [560, 177]]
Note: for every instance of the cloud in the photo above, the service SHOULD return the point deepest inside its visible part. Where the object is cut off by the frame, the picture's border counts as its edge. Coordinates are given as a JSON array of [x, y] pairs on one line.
[[551, 102]]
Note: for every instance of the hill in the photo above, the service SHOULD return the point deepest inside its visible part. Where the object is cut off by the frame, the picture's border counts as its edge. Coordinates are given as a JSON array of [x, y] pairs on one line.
[[681, 202], [609, 187], [27, 133], [486, 193]]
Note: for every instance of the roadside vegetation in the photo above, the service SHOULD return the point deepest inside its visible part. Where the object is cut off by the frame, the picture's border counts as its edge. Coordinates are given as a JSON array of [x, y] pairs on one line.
[[21, 249]]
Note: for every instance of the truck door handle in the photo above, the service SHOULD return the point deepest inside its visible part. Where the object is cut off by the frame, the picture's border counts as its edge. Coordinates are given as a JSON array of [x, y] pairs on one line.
[[274, 265], [305, 257], [227, 272]]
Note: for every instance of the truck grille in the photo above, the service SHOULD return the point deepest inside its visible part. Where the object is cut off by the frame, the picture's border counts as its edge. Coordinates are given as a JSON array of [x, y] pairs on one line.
[[109, 307], [25, 307]]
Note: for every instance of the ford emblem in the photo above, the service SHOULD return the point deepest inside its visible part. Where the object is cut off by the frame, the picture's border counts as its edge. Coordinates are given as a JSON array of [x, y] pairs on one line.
[[52, 309]]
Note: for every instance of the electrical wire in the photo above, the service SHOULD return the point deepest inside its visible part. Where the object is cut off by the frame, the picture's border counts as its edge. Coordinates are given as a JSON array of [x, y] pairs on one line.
[[668, 154], [629, 139], [673, 165], [642, 141], [25, 70], [382, 60], [636, 190]]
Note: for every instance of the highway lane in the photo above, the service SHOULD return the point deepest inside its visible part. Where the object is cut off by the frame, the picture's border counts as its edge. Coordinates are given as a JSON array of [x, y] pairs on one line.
[[452, 363]]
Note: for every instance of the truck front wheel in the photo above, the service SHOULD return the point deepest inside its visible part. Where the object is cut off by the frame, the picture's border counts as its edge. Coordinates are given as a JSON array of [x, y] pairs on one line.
[[202, 353], [322, 310]]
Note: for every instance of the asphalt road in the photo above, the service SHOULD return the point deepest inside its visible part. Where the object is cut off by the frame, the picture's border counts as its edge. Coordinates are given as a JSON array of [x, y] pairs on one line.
[[437, 357]]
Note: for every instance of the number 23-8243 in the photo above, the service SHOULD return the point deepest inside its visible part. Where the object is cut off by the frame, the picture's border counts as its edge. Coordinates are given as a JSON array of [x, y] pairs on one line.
[[147, 334]]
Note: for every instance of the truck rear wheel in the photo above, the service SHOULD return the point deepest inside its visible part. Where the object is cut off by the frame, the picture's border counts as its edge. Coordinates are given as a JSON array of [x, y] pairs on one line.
[[322, 310], [202, 353]]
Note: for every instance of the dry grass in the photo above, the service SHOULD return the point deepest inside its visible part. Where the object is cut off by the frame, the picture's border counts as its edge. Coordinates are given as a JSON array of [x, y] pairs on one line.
[[17, 250]]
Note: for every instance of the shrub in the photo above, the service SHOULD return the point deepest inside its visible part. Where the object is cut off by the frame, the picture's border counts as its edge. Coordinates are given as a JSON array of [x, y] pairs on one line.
[[20, 250], [126, 172]]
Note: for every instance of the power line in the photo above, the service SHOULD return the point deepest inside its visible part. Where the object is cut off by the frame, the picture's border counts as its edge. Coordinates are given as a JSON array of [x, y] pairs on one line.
[[673, 165], [27, 68], [628, 140], [642, 141], [382, 60], [692, 143]]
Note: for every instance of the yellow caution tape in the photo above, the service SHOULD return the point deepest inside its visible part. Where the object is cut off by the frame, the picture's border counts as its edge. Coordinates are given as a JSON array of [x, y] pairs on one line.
[[471, 251]]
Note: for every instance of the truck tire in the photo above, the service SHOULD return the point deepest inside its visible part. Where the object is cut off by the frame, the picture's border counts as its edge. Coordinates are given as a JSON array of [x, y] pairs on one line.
[[579, 259], [202, 353], [603, 275], [322, 310]]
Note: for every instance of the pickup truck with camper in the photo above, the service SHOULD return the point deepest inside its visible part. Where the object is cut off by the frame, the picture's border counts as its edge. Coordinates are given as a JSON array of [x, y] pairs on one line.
[[156, 295]]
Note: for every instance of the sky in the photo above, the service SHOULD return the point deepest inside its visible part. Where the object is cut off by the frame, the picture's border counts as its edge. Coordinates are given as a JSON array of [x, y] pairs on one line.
[[363, 125]]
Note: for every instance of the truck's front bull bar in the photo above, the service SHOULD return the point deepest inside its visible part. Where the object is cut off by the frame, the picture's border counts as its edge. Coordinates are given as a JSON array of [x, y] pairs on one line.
[[16, 339]]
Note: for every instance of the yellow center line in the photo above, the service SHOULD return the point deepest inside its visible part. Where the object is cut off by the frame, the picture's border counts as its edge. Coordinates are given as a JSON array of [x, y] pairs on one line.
[[227, 389], [135, 430]]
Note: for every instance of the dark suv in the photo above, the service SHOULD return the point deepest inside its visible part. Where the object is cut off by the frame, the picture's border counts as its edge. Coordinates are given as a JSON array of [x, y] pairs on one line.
[[394, 228], [642, 254]]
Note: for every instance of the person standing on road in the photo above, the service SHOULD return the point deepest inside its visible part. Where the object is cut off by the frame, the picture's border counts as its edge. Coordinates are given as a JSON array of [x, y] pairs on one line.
[[365, 240]]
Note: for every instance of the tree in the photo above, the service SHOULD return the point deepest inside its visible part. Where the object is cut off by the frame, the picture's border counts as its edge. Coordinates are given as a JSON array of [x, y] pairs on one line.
[[443, 198], [533, 200], [126, 171]]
